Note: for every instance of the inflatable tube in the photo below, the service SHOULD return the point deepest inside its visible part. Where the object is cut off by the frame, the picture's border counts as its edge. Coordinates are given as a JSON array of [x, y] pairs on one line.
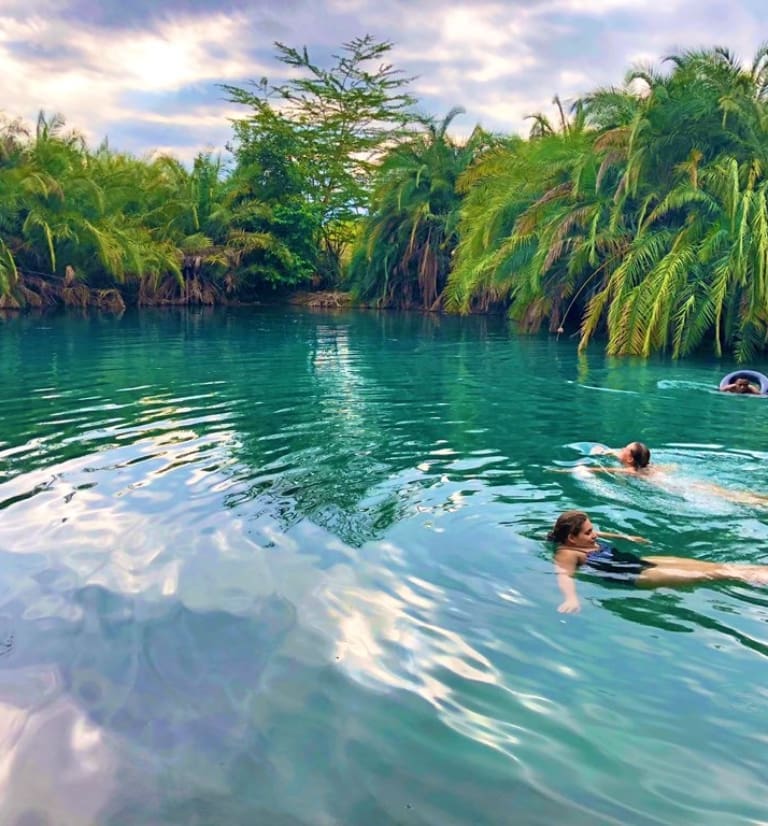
[[752, 375]]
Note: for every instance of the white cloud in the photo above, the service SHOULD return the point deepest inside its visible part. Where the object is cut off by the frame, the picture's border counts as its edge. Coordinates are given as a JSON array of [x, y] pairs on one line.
[[571, 78], [600, 8], [346, 6], [472, 56], [116, 64], [176, 55], [512, 112], [500, 59], [485, 34], [479, 25]]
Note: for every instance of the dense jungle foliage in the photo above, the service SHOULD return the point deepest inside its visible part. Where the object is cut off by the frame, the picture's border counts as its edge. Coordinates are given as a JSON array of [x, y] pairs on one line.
[[639, 215]]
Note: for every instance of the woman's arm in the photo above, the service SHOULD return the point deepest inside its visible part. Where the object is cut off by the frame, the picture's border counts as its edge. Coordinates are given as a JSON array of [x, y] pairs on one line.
[[590, 469], [741, 496], [602, 450], [565, 567], [613, 470], [627, 536], [648, 472]]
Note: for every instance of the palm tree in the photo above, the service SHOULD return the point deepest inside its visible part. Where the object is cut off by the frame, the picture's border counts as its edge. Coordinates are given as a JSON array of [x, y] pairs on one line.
[[644, 215], [403, 253], [694, 190], [535, 220]]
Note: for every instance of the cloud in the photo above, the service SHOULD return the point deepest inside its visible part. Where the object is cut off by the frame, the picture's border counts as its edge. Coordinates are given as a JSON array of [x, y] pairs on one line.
[[600, 8], [146, 73], [91, 76], [143, 14]]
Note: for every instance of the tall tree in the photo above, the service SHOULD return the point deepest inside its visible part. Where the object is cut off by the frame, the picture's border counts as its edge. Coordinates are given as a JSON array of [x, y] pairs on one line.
[[266, 203], [341, 118]]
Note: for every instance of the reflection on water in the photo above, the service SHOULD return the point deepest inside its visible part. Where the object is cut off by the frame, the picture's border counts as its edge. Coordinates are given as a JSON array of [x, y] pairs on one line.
[[288, 568]]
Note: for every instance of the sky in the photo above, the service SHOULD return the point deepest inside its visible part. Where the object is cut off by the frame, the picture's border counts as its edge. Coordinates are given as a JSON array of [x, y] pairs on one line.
[[145, 73]]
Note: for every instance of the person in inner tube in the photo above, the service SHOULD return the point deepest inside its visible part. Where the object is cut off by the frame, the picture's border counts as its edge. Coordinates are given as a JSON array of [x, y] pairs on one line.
[[741, 385]]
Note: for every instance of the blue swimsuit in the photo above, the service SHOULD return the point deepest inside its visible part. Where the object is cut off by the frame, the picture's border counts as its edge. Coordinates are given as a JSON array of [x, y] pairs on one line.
[[617, 565]]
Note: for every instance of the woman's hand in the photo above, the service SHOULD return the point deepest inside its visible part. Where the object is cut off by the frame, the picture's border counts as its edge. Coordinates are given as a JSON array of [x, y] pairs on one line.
[[601, 450], [570, 606]]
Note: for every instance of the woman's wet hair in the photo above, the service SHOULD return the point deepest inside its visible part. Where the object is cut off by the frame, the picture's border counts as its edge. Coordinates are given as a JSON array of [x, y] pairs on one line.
[[640, 455], [568, 524]]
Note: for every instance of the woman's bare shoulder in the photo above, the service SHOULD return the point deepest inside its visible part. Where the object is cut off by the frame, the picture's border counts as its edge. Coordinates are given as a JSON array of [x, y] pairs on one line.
[[567, 557]]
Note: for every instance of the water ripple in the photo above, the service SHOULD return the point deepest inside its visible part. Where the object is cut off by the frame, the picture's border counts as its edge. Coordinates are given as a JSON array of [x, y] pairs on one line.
[[289, 568]]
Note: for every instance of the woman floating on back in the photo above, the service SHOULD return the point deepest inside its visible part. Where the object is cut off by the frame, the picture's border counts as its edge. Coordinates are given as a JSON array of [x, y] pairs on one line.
[[579, 545], [635, 459]]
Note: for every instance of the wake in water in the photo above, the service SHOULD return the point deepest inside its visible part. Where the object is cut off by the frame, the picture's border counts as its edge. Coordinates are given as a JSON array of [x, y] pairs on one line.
[[610, 389], [687, 386]]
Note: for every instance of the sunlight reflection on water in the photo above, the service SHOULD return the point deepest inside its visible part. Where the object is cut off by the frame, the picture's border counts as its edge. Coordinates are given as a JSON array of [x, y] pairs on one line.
[[294, 572]]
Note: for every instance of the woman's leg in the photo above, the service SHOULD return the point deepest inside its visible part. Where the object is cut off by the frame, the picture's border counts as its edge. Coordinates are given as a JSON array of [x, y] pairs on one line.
[[675, 570], [741, 496], [683, 562]]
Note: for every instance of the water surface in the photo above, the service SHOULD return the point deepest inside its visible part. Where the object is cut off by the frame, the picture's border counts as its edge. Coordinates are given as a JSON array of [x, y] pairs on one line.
[[287, 567]]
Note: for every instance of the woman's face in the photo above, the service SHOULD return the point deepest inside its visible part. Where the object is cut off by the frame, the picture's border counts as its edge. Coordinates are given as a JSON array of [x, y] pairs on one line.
[[586, 537]]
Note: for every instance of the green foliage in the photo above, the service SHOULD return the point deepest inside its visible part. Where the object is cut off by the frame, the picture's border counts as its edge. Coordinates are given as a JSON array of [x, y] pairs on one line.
[[640, 216], [336, 121], [533, 220], [65, 207], [116, 219], [694, 191], [403, 253], [644, 215], [266, 197], [283, 215]]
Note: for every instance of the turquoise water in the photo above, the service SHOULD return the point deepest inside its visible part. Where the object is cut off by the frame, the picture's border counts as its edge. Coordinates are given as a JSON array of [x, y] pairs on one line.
[[284, 567]]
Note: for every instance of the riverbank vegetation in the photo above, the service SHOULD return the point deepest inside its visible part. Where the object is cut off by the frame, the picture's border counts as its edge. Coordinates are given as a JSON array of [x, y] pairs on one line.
[[637, 214]]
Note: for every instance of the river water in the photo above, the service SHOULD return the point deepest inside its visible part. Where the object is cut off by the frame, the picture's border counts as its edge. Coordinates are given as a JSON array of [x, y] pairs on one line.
[[287, 567]]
